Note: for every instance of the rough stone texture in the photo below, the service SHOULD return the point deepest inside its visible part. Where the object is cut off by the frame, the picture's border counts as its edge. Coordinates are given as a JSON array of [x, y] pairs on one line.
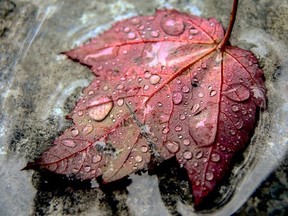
[[39, 86]]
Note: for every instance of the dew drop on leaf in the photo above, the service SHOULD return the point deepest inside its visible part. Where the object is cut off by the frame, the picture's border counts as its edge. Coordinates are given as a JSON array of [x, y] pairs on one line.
[[186, 142], [215, 157], [99, 112], [154, 79], [96, 158], [209, 176], [172, 146], [177, 98], [87, 129], [138, 159], [199, 154], [74, 132], [172, 25], [187, 155], [69, 143]]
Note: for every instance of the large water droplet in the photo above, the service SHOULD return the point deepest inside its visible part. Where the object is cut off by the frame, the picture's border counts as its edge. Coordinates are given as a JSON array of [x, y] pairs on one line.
[[172, 25], [215, 157], [154, 34], [96, 158], [69, 143], [172, 147], [99, 112], [213, 93], [120, 102], [126, 29], [87, 129], [195, 107], [209, 176], [177, 98], [187, 155], [138, 159], [120, 86], [154, 79]]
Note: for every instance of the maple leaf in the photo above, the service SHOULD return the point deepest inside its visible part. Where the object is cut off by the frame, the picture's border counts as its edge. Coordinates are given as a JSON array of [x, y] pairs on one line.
[[166, 86]]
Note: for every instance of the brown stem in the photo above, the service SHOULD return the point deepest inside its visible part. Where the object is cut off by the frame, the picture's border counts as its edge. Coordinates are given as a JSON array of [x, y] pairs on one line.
[[223, 43]]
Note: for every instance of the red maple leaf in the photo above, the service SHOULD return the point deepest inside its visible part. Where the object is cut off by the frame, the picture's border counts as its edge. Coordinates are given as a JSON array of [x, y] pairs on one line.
[[166, 86]]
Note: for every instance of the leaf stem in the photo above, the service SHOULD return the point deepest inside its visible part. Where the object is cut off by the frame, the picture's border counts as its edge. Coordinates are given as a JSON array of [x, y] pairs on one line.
[[223, 43]]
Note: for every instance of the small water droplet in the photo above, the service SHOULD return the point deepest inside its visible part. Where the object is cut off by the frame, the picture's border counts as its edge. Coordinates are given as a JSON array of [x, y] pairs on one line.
[[87, 129], [182, 117], [120, 86], [74, 132], [172, 147], [201, 95], [125, 52], [126, 29], [195, 107], [131, 35], [239, 124], [144, 149], [160, 104], [178, 128], [87, 168], [135, 21], [138, 159], [147, 74], [250, 63], [172, 25], [154, 79], [244, 111], [177, 98], [195, 164], [105, 88], [154, 34], [235, 108], [69, 143], [187, 155], [96, 158], [213, 93], [193, 31], [90, 92], [120, 102], [199, 154], [100, 67], [80, 113], [165, 130], [185, 89], [209, 176], [186, 142], [146, 87], [215, 157], [232, 132]]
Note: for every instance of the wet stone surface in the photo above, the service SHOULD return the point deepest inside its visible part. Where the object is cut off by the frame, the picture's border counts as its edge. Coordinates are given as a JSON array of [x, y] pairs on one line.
[[39, 86]]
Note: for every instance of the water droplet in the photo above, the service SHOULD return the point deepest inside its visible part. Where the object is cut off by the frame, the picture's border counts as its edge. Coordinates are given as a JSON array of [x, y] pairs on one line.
[[80, 113], [232, 132], [177, 98], [201, 95], [239, 124], [154, 79], [209, 176], [178, 128], [195, 107], [105, 88], [147, 74], [172, 25], [182, 117], [131, 35], [120, 102], [90, 92], [199, 154], [160, 104], [165, 130], [235, 108], [197, 183], [146, 87], [135, 21], [193, 31], [186, 142], [87, 168], [215, 157], [185, 89], [154, 34], [187, 155], [250, 63], [120, 86], [144, 149], [74, 132], [126, 29], [244, 111], [172, 147], [99, 112], [195, 164], [138, 159], [213, 93], [69, 143], [125, 52], [88, 129], [203, 65], [96, 158]]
